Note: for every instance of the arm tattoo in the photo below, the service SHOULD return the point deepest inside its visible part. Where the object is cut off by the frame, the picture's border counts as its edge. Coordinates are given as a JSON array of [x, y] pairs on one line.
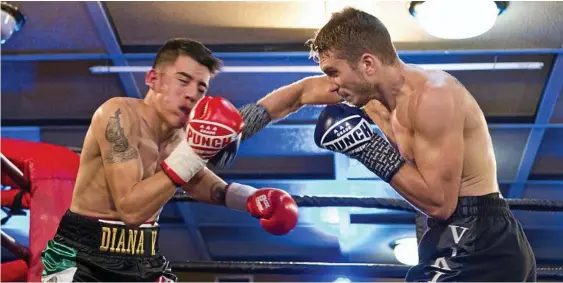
[[218, 193], [121, 150]]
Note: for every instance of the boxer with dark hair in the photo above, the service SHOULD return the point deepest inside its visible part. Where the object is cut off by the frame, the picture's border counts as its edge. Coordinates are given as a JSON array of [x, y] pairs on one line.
[[136, 154], [437, 153]]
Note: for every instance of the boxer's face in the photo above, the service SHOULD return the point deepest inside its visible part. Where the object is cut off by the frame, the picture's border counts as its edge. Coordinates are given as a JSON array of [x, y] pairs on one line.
[[348, 80], [178, 87]]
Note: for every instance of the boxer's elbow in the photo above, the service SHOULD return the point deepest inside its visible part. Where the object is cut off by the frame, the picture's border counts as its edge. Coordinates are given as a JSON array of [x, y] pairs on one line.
[[428, 199], [132, 219], [435, 196], [441, 212], [436, 205], [444, 203], [130, 214]]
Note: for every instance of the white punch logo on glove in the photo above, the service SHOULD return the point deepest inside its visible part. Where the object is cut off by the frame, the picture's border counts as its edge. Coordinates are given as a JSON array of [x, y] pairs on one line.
[[207, 138], [347, 135], [262, 203]]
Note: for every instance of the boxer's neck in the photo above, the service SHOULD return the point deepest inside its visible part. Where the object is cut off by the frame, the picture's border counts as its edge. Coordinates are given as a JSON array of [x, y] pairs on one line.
[[162, 131], [392, 86], [165, 133]]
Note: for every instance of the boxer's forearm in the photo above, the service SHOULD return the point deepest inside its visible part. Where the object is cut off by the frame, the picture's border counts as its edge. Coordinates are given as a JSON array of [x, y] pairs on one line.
[[284, 101], [410, 184], [206, 187], [387, 163], [145, 199], [290, 98]]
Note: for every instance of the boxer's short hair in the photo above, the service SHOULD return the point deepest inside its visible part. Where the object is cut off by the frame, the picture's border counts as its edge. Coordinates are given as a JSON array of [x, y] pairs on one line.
[[176, 47], [351, 33]]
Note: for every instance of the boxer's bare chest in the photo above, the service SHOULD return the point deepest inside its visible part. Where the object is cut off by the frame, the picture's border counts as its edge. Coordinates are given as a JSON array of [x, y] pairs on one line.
[[395, 125], [403, 133], [152, 153]]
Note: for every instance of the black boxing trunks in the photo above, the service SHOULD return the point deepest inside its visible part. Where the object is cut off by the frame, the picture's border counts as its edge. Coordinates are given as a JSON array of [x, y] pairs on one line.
[[482, 241], [87, 249]]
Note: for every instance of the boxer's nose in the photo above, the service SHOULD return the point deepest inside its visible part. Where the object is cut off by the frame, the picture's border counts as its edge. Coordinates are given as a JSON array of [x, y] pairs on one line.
[[192, 95], [333, 86]]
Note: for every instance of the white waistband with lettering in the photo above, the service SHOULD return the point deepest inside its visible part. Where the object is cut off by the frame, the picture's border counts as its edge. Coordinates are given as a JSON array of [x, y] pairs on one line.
[[114, 222]]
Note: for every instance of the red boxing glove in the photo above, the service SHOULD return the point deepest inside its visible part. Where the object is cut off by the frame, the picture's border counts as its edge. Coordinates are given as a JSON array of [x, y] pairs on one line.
[[213, 124], [275, 208]]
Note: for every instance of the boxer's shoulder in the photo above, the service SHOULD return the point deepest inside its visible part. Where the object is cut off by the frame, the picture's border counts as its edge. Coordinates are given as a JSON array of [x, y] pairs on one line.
[[122, 108], [125, 103], [117, 115], [442, 83], [440, 91], [437, 99]]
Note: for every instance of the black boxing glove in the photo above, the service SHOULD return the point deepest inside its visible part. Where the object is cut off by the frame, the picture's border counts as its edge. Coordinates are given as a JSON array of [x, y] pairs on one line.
[[227, 155], [346, 129]]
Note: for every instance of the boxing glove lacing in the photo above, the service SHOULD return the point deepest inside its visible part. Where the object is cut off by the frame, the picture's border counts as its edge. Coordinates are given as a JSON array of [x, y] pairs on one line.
[[255, 118], [381, 158]]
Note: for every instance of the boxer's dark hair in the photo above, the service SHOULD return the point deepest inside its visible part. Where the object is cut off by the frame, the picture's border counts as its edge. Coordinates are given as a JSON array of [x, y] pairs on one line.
[[176, 47], [351, 33]]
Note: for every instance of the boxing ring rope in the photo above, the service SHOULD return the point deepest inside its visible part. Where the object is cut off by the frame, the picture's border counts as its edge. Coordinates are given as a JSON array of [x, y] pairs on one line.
[[14, 247], [14, 173], [17, 176], [397, 204], [320, 268], [355, 269], [292, 268]]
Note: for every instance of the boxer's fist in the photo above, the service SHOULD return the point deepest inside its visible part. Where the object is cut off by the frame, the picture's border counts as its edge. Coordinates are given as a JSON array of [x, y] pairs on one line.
[[346, 129], [214, 123], [343, 128], [276, 210]]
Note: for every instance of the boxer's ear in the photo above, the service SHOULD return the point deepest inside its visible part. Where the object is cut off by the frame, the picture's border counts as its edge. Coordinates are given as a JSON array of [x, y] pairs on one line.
[[370, 63], [150, 78]]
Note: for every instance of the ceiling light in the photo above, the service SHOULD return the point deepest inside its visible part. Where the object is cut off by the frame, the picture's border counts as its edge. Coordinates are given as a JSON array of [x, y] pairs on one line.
[[406, 251], [12, 19], [457, 19]]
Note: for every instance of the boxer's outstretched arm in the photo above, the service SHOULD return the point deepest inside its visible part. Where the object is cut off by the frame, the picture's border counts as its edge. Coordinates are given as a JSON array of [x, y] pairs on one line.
[[285, 100], [433, 184], [275, 208], [116, 128]]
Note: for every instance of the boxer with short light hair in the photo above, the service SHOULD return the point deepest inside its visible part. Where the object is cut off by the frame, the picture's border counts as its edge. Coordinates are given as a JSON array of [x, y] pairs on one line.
[[437, 154], [136, 153]]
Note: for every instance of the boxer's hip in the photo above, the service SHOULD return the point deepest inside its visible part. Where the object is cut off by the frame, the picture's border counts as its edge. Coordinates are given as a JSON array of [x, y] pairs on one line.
[[87, 249], [108, 237], [489, 205], [482, 241], [478, 223]]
